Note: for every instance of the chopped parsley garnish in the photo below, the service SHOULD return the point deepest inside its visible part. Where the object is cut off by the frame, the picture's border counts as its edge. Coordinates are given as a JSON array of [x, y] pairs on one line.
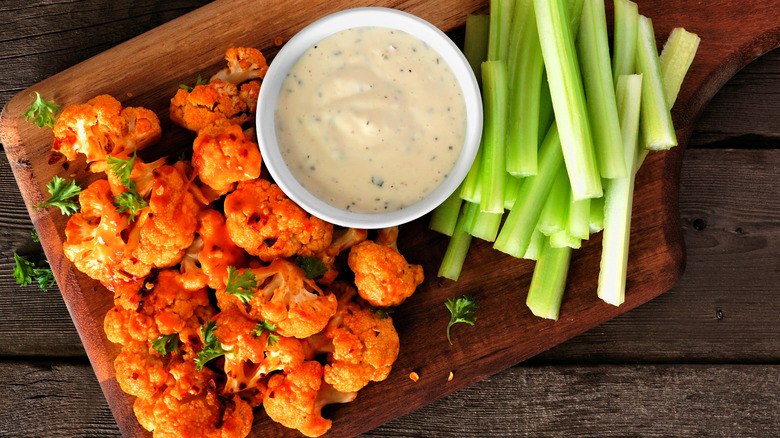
[[242, 286], [313, 267], [166, 344], [383, 313], [129, 201], [199, 81], [34, 235], [42, 111], [25, 272], [462, 310], [212, 347], [61, 192], [265, 326]]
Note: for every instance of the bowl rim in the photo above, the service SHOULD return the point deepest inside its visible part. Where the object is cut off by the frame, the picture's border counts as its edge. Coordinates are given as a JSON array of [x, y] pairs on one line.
[[332, 24]]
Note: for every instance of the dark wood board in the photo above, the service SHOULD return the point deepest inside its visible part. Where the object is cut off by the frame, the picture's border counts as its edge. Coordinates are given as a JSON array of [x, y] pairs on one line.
[[734, 34]]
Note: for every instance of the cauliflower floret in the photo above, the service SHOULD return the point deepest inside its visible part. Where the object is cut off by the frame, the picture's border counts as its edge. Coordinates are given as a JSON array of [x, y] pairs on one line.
[[142, 174], [223, 155], [249, 94], [192, 274], [263, 221], [342, 240], [167, 226], [139, 371], [205, 104], [250, 358], [362, 345], [93, 237], [243, 64], [101, 127], [218, 250], [285, 298], [382, 275], [295, 399]]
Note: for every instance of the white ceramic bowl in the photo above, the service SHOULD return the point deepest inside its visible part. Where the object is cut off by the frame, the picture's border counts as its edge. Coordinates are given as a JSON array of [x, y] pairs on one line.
[[329, 25]]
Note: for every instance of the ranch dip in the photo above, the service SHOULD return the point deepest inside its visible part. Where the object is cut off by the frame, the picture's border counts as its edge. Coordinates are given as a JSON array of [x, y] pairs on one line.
[[370, 120]]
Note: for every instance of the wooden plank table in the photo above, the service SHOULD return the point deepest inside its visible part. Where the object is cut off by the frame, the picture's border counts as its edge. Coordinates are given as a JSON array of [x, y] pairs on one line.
[[699, 360]]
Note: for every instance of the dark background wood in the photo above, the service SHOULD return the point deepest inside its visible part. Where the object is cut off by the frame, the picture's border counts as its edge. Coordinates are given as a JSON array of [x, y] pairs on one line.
[[700, 359]]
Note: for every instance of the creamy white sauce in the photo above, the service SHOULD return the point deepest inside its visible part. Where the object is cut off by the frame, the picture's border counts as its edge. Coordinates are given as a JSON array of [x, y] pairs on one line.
[[370, 119]]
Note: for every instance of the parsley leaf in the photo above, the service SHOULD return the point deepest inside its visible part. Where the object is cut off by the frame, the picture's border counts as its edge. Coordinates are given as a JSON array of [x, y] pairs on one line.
[[265, 326], [41, 111], [242, 286], [122, 168], [25, 272], [313, 267], [34, 235], [462, 310], [60, 192], [199, 81], [166, 344], [383, 313], [212, 347], [130, 200]]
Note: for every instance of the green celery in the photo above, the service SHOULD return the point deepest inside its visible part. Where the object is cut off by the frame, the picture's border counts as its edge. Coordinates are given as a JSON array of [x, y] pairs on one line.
[[535, 246], [676, 58], [475, 44], [626, 23], [515, 235], [470, 210], [493, 170], [578, 221], [596, 221], [563, 239], [556, 207], [526, 68], [549, 281], [560, 60], [546, 114], [445, 216], [457, 248], [655, 121], [501, 12], [511, 188], [471, 187], [618, 197], [593, 53], [485, 225]]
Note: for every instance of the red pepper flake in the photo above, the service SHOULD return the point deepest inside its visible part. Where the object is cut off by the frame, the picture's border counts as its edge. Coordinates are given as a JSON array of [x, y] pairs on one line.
[[278, 41]]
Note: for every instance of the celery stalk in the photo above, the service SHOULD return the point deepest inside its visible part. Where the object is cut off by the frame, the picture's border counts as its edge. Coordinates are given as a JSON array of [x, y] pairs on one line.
[[457, 248], [535, 246], [555, 212], [471, 187], [596, 221], [445, 216], [493, 170], [676, 57], [626, 23], [525, 85], [563, 239], [485, 225], [500, 29], [470, 210], [618, 197], [475, 44], [549, 281], [546, 115], [515, 235], [511, 188], [560, 60], [655, 121], [578, 220], [593, 53]]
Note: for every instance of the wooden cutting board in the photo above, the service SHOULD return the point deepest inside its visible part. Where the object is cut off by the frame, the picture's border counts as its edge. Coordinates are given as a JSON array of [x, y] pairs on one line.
[[146, 71]]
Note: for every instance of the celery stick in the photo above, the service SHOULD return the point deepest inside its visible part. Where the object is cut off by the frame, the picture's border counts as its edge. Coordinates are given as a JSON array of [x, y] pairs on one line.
[[618, 197], [511, 188], [471, 187], [470, 210], [596, 221], [546, 115], [515, 235], [555, 212], [500, 28], [562, 239], [676, 57], [560, 60], [525, 84], [578, 223], [655, 121], [549, 281], [445, 216], [593, 53], [535, 246], [626, 22], [493, 170], [457, 248], [485, 225], [475, 44]]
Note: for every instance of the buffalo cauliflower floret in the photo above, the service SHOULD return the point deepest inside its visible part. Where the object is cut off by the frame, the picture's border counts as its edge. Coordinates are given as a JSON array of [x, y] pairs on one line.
[[142, 174], [140, 372], [382, 275], [251, 357], [218, 251], [285, 298], [223, 155], [93, 237], [295, 399], [361, 344], [342, 240], [192, 274], [263, 221], [248, 94], [243, 64], [167, 226], [101, 127], [207, 103]]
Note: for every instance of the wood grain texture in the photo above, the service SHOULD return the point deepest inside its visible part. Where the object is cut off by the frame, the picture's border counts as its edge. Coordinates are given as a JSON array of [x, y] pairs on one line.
[[40, 179]]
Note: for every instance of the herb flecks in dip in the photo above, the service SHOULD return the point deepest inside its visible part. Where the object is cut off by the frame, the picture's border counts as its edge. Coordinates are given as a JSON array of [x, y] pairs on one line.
[[370, 119]]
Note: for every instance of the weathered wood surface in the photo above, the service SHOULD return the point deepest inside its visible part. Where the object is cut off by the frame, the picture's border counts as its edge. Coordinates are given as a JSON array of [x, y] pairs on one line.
[[680, 327]]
